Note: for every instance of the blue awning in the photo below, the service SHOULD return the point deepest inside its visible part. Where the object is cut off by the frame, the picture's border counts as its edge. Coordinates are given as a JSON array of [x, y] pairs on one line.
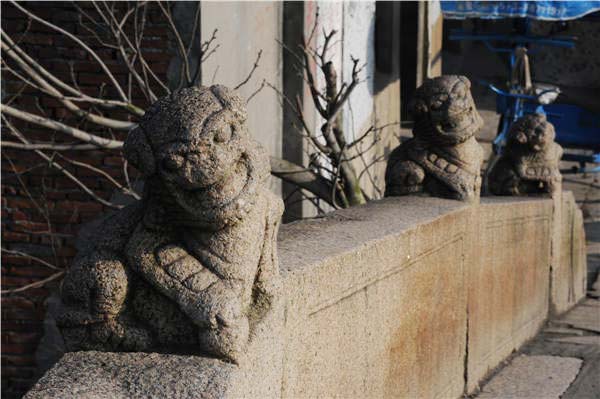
[[543, 10]]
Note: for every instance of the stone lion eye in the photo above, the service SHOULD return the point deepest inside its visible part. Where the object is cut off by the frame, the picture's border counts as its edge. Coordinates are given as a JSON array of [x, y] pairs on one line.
[[437, 104], [173, 162], [224, 134], [438, 101], [540, 131]]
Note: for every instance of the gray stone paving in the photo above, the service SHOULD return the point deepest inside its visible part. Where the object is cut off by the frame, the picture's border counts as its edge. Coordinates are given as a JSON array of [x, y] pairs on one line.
[[533, 377]]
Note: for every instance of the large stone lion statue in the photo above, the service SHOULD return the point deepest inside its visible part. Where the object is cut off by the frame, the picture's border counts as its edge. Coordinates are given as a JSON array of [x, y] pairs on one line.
[[193, 265], [443, 159], [529, 163]]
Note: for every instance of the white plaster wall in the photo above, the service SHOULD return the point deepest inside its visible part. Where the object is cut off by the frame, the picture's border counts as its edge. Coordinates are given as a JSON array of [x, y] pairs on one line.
[[331, 15], [434, 21], [244, 28], [359, 42]]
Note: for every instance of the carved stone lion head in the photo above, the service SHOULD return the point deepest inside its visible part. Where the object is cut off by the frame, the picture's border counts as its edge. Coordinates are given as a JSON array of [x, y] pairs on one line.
[[195, 143], [531, 132], [444, 111]]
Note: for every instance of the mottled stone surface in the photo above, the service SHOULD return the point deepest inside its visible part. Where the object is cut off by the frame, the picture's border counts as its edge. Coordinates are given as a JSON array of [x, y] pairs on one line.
[[533, 377], [569, 268], [509, 279], [443, 158], [192, 267], [529, 162], [392, 323], [585, 317], [98, 375]]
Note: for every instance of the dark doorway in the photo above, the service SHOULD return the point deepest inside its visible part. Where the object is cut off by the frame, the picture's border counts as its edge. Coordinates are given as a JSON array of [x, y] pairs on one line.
[[411, 48]]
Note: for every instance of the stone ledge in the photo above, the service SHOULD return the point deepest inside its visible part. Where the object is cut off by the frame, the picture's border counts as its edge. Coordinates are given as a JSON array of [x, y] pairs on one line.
[[101, 375], [392, 299]]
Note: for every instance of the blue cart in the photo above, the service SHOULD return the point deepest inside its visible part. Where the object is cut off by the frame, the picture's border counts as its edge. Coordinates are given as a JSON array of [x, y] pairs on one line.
[[576, 127]]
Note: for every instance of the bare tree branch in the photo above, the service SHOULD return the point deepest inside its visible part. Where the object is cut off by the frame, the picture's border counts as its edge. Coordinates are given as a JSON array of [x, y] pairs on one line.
[[57, 126], [35, 259], [48, 146], [37, 284], [302, 177], [100, 120], [80, 96], [243, 82], [60, 168], [79, 42]]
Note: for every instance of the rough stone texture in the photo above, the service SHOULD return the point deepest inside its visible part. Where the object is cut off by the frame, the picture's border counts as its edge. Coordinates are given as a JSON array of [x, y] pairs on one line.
[[508, 286], [585, 317], [581, 344], [443, 159], [381, 301], [587, 340], [529, 162], [569, 267], [392, 323], [192, 267], [533, 377], [132, 375], [106, 375]]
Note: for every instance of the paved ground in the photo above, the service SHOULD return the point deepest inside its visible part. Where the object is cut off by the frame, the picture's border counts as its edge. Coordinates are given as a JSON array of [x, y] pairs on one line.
[[563, 361]]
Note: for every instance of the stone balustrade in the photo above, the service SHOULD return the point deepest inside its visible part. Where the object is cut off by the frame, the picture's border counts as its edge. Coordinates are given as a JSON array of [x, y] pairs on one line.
[[403, 297]]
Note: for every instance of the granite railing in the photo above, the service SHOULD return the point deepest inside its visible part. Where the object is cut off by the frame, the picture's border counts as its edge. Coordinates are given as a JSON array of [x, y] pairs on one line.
[[403, 297]]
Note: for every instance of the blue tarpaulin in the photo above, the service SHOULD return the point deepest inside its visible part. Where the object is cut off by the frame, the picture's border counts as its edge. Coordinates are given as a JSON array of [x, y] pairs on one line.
[[544, 10]]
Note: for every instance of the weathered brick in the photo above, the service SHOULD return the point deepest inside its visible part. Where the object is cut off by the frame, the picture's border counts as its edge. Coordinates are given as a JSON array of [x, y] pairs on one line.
[[23, 372], [8, 190], [17, 215], [29, 226], [11, 236], [16, 301], [12, 360], [32, 38], [31, 271], [16, 203], [113, 161], [11, 281], [20, 338], [18, 348], [80, 206], [15, 259], [22, 314]]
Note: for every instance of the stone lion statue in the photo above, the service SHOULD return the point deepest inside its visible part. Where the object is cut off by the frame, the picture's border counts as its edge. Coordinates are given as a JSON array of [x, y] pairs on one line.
[[443, 158], [193, 265], [529, 163]]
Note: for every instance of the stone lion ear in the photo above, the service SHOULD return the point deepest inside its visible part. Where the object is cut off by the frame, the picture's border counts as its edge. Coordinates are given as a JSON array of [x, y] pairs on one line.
[[230, 100], [465, 80], [138, 152], [549, 127]]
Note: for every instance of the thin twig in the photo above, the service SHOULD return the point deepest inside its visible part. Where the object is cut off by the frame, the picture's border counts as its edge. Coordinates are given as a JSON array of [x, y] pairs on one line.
[[26, 255], [33, 285], [78, 41], [57, 126], [243, 82]]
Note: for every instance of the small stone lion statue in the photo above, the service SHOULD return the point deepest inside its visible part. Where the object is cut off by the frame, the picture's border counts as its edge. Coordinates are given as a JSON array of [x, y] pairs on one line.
[[443, 158], [529, 163], [193, 265]]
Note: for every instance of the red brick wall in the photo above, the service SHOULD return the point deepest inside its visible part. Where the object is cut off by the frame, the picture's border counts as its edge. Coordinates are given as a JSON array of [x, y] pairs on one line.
[[42, 209]]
